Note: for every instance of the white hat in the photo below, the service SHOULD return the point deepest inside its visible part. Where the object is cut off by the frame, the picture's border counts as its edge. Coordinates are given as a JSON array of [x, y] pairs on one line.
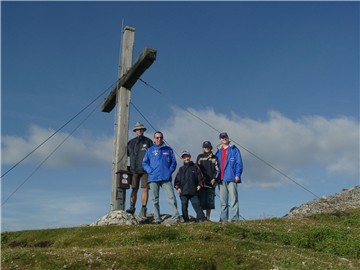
[[138, 125]]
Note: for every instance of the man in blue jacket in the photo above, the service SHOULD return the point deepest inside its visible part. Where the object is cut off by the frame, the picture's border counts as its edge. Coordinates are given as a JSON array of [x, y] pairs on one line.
[[159, 162], [230, 169]]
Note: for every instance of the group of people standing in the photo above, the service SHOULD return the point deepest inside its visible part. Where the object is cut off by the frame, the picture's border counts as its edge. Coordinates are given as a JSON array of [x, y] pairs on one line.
[[152, 164]]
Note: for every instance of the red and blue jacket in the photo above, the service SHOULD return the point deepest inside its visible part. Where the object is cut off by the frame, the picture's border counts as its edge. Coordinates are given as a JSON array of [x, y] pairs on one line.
[[233, 166]]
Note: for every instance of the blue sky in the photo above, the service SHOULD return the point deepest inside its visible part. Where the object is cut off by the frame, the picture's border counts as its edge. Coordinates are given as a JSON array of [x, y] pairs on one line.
[[282, 78]]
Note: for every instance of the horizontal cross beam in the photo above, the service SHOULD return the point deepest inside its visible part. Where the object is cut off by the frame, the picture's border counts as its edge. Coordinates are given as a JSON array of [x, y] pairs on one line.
[[128, 80]]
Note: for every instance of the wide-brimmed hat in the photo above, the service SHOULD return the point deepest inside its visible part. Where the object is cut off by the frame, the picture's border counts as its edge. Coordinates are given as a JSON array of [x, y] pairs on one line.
[[138, 125]]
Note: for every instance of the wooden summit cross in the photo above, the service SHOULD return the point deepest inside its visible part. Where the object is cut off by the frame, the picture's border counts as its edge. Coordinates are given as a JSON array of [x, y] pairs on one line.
[[120, 96]]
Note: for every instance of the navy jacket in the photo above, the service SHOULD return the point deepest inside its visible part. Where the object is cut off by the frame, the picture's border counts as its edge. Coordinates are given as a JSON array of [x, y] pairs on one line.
[[188, 178], [136, 149]]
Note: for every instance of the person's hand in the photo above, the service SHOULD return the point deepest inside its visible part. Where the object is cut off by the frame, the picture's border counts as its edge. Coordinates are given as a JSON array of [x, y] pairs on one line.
[[198, 188], [178, 190], [237, 179], [212, 182]]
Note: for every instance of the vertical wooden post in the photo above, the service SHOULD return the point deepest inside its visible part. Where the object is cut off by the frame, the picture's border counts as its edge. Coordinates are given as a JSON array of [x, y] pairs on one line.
[[118, 195]]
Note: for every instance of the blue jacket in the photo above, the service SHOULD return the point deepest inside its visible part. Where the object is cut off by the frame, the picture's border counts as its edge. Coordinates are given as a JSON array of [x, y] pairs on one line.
[[159, 162], [233, 165]]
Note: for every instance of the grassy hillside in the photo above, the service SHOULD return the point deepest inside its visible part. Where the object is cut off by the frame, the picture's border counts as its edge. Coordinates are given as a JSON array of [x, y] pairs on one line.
[[325, 241]]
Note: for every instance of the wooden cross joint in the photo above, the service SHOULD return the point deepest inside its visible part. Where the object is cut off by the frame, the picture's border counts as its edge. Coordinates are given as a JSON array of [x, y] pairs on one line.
[[128, 80]]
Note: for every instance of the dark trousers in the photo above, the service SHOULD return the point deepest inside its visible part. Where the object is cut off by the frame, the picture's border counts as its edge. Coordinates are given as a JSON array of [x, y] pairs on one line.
[[194, 199]]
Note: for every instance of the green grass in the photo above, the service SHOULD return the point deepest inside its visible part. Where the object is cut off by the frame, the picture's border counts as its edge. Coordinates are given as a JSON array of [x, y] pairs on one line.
[[326, 241]]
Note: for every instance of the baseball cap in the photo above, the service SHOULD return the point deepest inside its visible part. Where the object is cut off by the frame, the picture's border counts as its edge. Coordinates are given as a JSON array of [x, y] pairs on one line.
[[207, 144], [185, 152], [223, 135]]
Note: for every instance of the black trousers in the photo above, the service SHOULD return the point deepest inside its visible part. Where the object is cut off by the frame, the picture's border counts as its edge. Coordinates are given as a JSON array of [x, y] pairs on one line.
[[194, 199]]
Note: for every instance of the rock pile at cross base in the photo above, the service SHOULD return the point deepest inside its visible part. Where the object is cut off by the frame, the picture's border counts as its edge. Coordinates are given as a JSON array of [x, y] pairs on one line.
[[120, 217], [344, 200]]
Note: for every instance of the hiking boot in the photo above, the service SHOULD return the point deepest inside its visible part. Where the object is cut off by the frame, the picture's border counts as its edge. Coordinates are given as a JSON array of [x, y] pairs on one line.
[[186, 218], [156, 222], [131, 210], [143, 212]]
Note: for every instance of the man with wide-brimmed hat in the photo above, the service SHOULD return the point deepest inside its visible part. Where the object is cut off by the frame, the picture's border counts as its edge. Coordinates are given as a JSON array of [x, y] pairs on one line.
[[136, 149]]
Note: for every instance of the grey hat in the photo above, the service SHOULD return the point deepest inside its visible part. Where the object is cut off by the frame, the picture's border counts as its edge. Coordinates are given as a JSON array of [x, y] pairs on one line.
[[185, 152], [138, 125]]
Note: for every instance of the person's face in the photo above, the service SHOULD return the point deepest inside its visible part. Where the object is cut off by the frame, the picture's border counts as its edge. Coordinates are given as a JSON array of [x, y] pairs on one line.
[[158, 139], [206, 149], [139, 132], [186, 158], [224, 140]]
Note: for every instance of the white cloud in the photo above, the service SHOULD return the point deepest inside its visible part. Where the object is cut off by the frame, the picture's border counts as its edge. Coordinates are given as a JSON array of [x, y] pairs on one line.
[[293, 147], [78, 150]]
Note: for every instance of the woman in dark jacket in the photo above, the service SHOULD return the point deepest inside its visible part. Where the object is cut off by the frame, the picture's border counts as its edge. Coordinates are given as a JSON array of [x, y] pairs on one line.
[[209, 167]]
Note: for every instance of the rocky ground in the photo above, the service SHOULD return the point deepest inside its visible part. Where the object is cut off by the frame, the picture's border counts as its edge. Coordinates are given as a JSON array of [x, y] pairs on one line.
[[346, 199], [120, 217]]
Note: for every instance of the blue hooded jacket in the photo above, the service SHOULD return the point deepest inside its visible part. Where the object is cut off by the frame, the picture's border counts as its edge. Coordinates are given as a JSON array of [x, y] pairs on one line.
[[233, 165], [159, 162]]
